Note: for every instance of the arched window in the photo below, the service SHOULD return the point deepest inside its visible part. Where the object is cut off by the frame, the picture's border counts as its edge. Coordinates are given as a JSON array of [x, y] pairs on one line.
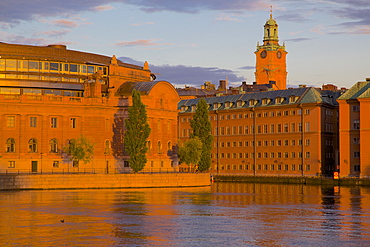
[[53, 145], [10, 145], [149, 145], [32, 145], [159, 147], [169, 147], [106, 147]]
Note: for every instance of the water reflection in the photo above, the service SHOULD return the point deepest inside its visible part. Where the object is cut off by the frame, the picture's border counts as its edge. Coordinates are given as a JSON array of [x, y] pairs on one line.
[[233, 214]]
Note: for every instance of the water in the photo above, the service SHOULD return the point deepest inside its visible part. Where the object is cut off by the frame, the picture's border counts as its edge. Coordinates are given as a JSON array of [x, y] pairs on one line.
[[226, 214]]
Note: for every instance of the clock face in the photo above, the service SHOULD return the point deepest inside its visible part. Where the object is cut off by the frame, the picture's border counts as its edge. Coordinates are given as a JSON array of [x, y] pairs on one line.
[[278, 54], [263, 54]]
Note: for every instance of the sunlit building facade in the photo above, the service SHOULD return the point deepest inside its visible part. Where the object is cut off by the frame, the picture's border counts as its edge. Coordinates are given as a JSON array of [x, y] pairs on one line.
[[354, 130], [282, 132], [50, 95]]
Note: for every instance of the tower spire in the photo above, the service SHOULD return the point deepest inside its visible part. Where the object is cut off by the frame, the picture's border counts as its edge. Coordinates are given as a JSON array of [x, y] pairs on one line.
[[270, 11]]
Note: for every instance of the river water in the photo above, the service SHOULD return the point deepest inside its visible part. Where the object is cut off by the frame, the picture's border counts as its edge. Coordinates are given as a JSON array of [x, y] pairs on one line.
[[225, 214]]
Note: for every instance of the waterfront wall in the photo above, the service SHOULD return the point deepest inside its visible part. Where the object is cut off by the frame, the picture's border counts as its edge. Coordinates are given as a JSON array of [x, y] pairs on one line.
[[102, 181], [294, 180]]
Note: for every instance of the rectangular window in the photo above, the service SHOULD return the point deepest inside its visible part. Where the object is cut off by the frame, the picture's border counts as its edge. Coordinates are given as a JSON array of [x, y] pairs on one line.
[[356, 154], [307, 126], [300, 167], [56, 164], [278, 128], [240, 131], [259, 129], [246, 144], [279, 167], [293, 167], [10, 121], [292, 142], [272, 143], [279, 154], [299, 127], [308, 155], [307, 111], [356, 168], [292, 155], [356, 124], [286, 142], [356, 108], [279, 143], [286, 128], [308, 142], [265, 155], [272, 128], [286, 167], [246, 130], [292, 127], [272, 155], [286, 155], [356, 140], [11, 164], [73, 123], [308, 167], [54, 122], [265, 128], [33, 122]]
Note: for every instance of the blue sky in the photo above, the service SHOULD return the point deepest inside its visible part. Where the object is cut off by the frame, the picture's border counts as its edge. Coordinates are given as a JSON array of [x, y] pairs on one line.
[[189, 42]]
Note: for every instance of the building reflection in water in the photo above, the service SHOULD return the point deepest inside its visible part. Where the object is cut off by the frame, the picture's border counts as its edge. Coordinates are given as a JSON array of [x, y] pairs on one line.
[[223, 214]]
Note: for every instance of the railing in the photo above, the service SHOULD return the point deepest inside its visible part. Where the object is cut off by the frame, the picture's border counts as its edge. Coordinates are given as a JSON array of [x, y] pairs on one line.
[[59, 171]]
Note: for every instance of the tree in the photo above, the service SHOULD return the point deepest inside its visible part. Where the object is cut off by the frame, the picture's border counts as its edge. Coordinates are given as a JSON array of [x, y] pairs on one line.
[[79, 149], [202, 128], [191, 151], [137, 133]]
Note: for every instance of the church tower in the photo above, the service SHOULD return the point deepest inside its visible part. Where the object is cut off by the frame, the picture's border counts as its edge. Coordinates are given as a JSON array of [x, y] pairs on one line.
[[271, 58]]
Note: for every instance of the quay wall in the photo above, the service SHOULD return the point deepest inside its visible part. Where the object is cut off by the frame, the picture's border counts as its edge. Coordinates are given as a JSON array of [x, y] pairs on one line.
[[294, 180], [102, 181]]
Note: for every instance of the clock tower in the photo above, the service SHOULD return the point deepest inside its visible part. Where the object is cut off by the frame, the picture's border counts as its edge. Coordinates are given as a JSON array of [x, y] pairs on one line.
[[271, 58]]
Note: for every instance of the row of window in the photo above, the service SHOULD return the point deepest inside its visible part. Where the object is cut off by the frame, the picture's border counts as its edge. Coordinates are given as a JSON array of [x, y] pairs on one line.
[[261, 129], [265, 155], [264, 143], [251, 115], [33, 122], [271, 167], [11, 164], [10, 146], [50, 67], [35, 91]]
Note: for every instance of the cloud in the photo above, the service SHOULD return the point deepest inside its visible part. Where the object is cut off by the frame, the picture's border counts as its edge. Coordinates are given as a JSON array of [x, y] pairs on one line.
[[189, 75], [19, 39], [144, 23], [195, 6], [142, 42], [55, 33], [65, 23], [297, 40], [247, 67], [102, 8]]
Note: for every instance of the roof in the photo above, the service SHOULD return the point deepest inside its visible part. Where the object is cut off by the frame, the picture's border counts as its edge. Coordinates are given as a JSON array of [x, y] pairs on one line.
[[359, 90], [56, 53], [299, 96], [143, 86]]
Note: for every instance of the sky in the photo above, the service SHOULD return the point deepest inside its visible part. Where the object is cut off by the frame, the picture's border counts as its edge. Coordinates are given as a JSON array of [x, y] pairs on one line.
[[190, 42]]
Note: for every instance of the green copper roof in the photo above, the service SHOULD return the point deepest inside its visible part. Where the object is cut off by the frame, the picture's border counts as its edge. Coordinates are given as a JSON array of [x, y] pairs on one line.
[[359, 90]]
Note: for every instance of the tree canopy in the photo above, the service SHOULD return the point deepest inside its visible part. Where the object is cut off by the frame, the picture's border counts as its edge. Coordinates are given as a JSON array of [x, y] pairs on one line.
[[202, 128], [137, 133], [190, 153], [79, 149]]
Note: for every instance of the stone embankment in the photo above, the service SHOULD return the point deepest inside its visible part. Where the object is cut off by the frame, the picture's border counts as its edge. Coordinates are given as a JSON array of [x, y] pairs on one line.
[[102, 181], [294, 180]]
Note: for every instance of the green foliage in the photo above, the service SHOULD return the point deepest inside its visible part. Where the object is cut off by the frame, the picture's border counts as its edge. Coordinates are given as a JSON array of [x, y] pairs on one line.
[[190, 153], [80, 149], [137, 133], [202, 128]]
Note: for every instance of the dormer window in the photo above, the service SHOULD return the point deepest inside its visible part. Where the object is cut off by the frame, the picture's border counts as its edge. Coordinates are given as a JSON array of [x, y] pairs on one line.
[[239, 103], [227, 104], [293, 99], [216, 105], [265, 101], [183, 108], [279, 100], [193, 107], [252, 102]]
